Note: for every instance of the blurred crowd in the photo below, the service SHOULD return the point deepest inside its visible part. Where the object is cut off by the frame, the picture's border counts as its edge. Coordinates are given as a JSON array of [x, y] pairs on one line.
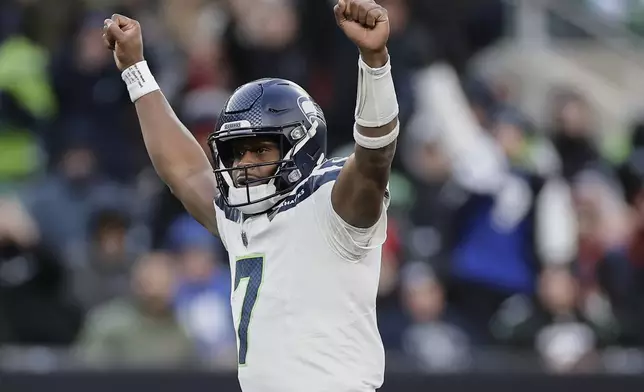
[[503, 235]]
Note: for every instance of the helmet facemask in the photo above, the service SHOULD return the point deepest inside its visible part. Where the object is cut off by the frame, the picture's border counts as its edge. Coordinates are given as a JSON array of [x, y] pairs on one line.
[[256, 196]]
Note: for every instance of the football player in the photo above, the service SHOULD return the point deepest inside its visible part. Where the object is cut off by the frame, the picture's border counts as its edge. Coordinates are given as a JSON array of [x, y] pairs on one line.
[[304, 232]]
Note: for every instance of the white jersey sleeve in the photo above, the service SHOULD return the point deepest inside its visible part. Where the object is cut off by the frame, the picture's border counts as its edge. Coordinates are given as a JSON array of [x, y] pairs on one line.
[[351, 243]]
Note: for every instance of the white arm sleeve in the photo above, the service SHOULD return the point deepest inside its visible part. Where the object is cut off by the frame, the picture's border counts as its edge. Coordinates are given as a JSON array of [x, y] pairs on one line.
[[351, 243]]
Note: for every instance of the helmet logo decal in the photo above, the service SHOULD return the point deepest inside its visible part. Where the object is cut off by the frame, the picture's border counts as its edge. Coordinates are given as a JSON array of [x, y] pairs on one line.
[[309, 109]]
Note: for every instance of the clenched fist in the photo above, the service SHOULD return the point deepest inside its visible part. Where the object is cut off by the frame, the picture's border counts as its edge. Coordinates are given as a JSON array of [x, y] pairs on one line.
[[366, 24], [123, 35]]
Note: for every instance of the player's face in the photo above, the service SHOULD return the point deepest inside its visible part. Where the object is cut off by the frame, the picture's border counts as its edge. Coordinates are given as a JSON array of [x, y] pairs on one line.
[[252, 152]]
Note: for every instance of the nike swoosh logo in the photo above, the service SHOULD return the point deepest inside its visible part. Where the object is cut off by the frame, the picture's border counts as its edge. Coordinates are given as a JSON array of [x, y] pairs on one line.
[[278, 111]]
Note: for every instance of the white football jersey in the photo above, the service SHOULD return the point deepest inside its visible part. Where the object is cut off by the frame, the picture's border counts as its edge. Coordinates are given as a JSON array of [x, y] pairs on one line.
[[304, 293]]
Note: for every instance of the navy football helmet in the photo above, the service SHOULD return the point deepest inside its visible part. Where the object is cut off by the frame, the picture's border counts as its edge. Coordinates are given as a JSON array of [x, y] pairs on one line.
[[278, 109]]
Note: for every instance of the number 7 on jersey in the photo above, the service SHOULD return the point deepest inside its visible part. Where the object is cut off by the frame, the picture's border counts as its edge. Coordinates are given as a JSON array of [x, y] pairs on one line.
[[251, 269]]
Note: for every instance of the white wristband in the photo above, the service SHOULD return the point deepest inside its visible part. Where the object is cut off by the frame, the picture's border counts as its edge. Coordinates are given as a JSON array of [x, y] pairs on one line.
[[139, 80], [375, 143], [376, 103]]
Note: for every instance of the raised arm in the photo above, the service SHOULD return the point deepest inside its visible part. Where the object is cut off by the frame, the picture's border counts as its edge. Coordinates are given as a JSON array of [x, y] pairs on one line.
[[359, 192], [176, 155]]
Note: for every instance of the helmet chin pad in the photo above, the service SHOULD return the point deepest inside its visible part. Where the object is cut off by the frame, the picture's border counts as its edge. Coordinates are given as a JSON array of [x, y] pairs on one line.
[[252, 199], [257, 192]]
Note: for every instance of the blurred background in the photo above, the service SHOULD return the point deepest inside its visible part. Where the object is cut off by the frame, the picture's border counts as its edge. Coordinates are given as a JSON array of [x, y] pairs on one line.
[[516, 238]]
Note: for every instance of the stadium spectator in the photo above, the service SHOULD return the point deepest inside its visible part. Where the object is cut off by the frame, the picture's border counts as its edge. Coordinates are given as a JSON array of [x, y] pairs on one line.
[[433, 339], [573, 134], [202, 297], [507, 222], [138, 330], [620, 273], [80, 69], [33, 285], [63, 202], [104, 274]]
